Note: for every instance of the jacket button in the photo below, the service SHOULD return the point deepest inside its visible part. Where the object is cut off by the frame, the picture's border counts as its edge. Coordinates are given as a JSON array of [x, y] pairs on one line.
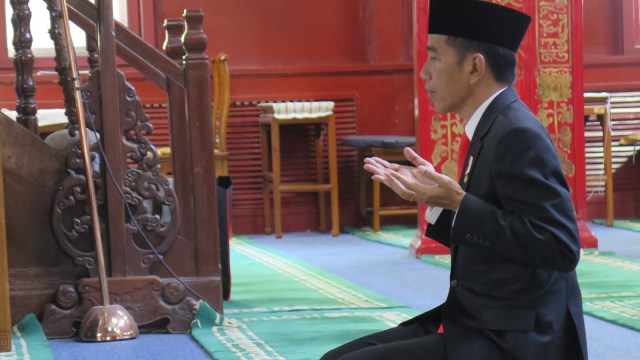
[[469, 237], [487, 244], [454, 283]]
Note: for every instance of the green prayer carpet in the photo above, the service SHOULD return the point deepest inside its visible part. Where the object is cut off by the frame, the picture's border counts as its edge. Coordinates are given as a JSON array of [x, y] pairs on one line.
[[629, 224], [28, 341], [396, 235], [282, 308], [610, 284]]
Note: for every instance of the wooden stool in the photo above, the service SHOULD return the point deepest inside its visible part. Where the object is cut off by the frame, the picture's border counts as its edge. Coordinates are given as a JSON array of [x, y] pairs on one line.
[[387, 147], [277, 115], [599, 105]]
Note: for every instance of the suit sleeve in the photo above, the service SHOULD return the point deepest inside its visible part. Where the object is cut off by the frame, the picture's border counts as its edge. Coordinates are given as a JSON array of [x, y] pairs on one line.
[[531, 220]]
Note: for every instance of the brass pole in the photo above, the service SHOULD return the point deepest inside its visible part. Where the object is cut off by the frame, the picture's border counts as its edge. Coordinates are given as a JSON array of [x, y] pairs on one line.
[[108, 322], [82, 125]]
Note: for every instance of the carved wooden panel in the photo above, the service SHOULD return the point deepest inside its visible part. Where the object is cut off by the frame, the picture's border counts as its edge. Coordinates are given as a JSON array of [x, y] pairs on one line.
[[148, 299], [147, 193]]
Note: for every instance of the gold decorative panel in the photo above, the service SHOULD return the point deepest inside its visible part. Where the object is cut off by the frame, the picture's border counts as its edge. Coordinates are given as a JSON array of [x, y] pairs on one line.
[[555, 76]]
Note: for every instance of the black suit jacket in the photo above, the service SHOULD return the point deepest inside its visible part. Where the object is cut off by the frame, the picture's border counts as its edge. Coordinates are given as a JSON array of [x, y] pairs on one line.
[[514, 246]]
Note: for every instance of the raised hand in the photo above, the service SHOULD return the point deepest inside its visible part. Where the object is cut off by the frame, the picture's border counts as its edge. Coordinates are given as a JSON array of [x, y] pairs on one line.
[[419, 183]]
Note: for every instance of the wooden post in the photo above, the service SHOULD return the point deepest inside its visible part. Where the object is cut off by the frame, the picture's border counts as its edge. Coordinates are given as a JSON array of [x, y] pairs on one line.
[[23, 62], [113, 134], [93, 57], [5, 309], [198, 101], [62, 59]]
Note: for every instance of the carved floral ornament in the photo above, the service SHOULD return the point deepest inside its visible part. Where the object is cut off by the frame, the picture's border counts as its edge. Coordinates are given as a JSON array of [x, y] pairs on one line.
[[556, 112], [554, 85], [446, 132], [553, 33]]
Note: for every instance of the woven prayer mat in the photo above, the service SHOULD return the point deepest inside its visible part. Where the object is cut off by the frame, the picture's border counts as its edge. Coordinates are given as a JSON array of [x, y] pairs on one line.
[[610, 284], [395, 235], [28, 341], [629, 224], [282, 308], [611, 288]]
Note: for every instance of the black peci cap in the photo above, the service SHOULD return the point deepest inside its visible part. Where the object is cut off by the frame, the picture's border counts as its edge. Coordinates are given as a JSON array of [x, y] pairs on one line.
[[478, 20]]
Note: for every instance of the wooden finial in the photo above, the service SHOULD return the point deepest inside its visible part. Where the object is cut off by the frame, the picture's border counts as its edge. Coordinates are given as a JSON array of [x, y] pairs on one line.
[[194, 38], [172, 46]]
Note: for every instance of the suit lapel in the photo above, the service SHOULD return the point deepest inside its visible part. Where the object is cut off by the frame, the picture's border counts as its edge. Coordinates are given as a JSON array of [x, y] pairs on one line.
[[505, 98]]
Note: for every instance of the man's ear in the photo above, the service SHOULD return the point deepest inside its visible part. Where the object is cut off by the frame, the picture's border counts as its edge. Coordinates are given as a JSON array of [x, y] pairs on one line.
[[477, 67]]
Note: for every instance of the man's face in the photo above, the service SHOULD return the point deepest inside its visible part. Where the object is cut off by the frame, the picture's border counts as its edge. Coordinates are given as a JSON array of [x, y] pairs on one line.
[[445, 81]]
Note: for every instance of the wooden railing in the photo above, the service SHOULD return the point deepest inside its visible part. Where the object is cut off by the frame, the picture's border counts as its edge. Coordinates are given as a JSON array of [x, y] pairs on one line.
[[188, 240]]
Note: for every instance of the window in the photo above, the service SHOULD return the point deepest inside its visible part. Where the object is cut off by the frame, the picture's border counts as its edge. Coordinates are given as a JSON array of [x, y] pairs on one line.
[[40, 24]]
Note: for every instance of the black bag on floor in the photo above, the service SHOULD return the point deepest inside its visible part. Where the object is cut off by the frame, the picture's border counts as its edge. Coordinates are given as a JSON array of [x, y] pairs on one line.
[[223, 186]]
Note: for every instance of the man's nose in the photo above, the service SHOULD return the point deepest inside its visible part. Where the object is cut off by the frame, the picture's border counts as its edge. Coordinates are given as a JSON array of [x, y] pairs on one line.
[[424, 73]]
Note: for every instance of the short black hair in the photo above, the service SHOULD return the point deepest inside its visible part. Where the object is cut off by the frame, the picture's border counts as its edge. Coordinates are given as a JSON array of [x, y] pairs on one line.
[[501, 61]]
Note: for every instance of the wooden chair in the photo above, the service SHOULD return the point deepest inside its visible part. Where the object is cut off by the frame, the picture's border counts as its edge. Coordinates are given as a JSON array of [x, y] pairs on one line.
[[221, 93], [5, 310], [221, 102], [276, 116], [387, 147]]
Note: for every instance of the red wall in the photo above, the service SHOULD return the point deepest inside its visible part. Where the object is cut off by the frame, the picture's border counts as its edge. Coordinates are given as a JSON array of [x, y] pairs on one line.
[[284, 33], [609, 64], [292, 48]]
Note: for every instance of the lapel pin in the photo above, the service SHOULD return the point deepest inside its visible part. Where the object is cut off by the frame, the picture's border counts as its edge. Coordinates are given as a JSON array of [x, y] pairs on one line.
[[468, 170]]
